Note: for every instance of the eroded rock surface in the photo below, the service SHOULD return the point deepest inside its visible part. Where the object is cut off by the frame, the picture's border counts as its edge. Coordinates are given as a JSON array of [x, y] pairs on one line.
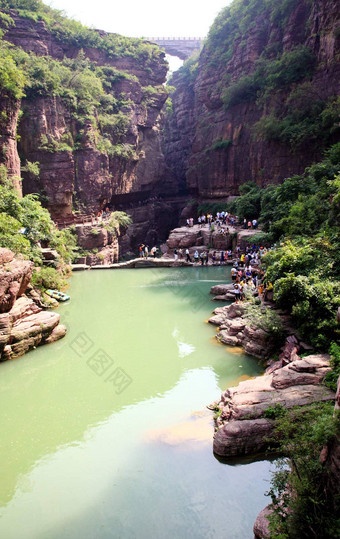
[[201, 122], [242, 425], [24, 325]]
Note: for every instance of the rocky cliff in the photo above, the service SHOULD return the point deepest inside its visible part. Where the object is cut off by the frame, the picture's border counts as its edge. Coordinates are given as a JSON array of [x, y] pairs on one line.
[[90, 117], [262, 100]]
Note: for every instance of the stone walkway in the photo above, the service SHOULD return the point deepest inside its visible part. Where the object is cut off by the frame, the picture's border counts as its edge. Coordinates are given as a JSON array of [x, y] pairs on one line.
[[137, 263]]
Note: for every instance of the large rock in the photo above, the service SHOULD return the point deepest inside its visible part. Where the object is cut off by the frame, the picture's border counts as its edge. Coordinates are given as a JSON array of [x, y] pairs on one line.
[[183, 237], [310, 370], [15, 276], [235, 330], [58, 333], [221, 289], [243, 407], [23, 323], [261, 526], [238, 438]]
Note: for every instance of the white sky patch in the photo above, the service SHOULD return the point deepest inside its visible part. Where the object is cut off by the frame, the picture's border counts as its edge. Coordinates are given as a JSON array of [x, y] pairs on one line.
[[149, 18], [184, 349]]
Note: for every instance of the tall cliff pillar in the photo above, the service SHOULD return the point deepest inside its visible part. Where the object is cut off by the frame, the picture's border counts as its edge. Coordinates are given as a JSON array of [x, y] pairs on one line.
[[8, 144]]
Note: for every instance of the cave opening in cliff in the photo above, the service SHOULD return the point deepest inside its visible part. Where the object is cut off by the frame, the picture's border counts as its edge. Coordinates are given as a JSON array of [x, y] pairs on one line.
[[129, 200]]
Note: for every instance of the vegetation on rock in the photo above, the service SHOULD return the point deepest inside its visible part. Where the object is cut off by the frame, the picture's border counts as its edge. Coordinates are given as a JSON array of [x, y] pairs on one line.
[[74, 33], [303, 505], [24, 224], [302, 215]]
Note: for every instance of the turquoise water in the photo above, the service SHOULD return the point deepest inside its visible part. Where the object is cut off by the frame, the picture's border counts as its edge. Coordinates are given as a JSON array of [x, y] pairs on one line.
[[106, 432]]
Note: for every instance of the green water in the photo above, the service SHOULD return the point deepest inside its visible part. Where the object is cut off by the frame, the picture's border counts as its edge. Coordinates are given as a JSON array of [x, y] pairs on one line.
[[105, 433]]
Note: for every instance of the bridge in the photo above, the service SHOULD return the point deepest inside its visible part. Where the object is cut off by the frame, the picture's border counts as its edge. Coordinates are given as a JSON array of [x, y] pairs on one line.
[[182, 47]]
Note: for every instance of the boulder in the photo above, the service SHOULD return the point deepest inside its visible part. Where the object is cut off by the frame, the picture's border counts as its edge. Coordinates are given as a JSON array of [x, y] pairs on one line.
[[23, 307], [15, 276], [58, 333], [6, 256], [261, 526], [221, 289], [50, 254], [226, 338], [237, 438], [41, 323], [225, 297], [254, 403], [311, 370], [217, 320], [183, 237]]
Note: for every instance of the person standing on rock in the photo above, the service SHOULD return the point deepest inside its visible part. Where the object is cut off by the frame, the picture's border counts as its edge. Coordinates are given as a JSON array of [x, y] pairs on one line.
[[141, 250], [154, 251], [196, 256], [233, 272], [175, 254], [146, 251], [237, 292], [187, 254], [180, 253]]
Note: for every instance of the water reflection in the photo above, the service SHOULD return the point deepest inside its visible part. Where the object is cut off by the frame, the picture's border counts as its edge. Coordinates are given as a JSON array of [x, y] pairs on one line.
[[83, 459]]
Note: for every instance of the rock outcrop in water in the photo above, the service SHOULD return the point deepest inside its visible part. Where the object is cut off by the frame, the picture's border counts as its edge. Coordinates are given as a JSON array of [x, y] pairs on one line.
[[243, 423], [24, 325], [243, 428], [213, 141]]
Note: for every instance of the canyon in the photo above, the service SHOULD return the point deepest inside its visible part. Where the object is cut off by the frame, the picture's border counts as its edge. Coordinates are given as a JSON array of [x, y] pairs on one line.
[[211, 145]]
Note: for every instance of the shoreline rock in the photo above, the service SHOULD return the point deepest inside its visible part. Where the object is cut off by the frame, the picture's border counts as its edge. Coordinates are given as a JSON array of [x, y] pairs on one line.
[[242, 425], [235, 330], [24, 324]]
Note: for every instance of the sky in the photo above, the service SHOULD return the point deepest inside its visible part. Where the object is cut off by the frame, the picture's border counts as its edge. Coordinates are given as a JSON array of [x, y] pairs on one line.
[[145, 18]]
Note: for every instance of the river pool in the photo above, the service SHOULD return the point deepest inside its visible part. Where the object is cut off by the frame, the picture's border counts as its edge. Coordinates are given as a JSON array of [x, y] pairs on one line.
[[105, 434]]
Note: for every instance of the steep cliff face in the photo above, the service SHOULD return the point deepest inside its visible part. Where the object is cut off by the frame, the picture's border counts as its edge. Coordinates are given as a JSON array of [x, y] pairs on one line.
[[88, 152], [262, 101], [9, 157]]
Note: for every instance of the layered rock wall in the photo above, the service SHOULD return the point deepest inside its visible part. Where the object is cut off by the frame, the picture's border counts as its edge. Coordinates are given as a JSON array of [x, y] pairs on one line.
[[24, 325], [75, 172], [214, 150]]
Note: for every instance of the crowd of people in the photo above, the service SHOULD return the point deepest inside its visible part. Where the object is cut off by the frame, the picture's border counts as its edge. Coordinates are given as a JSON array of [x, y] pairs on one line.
[[222, 219], [247, 275]]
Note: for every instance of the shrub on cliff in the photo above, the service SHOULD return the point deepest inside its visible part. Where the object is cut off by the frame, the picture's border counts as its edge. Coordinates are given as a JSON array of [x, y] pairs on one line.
[[306, 507], [12, 78], [45, 278], [118, 220], [73, 32], [24, 223], [11, 237]]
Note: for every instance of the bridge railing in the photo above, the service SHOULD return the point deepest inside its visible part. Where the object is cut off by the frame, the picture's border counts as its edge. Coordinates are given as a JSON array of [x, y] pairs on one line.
[[174, 38]]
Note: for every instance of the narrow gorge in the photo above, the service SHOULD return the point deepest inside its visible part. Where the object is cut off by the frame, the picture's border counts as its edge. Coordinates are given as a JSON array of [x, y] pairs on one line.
[[140, 192]]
